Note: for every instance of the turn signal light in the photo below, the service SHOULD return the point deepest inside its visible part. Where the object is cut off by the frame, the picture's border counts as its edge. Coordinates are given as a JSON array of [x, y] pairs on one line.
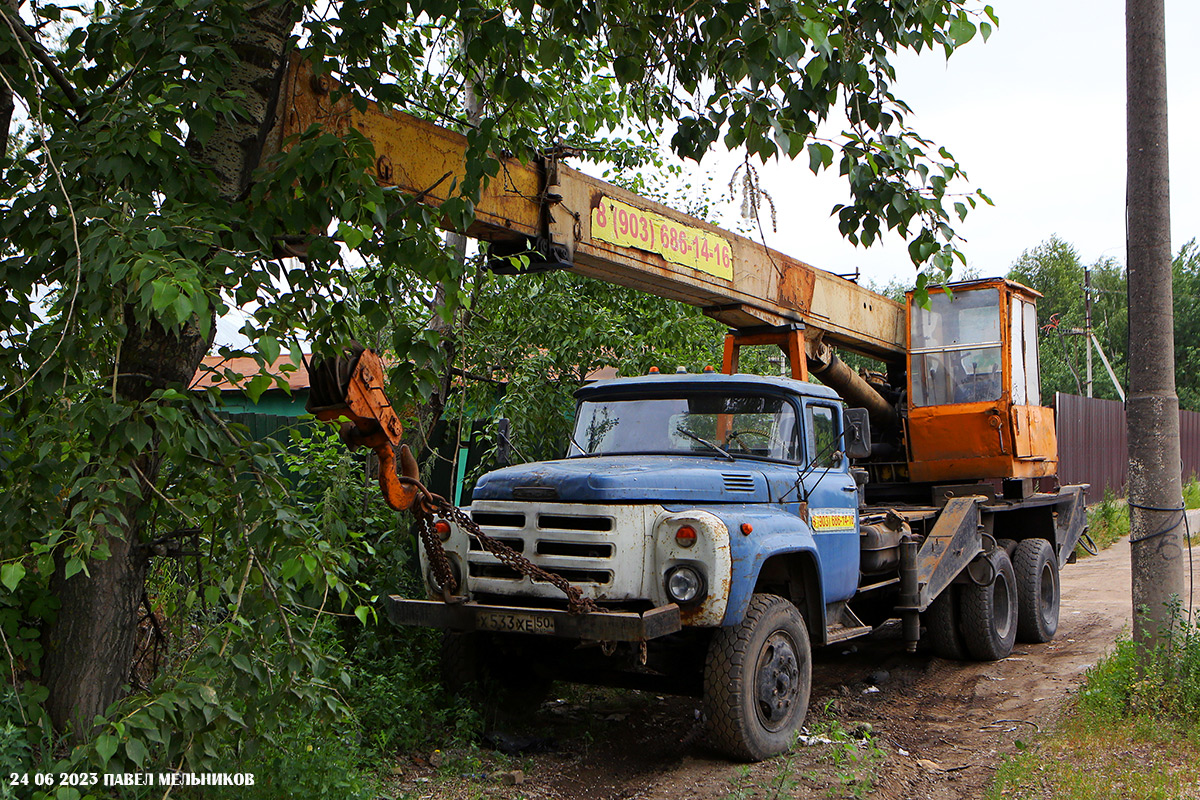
[[685, 536]]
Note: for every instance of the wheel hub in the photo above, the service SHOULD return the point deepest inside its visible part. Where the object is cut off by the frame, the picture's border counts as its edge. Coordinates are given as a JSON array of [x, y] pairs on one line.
[[777, 680]]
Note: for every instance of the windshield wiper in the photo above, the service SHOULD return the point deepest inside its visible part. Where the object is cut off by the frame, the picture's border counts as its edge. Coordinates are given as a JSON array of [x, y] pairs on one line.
[[579, 447], [718, 448]]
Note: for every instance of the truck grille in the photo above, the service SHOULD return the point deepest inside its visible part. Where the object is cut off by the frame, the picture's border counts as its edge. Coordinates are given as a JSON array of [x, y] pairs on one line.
[[515, 544], [565, 522], [506, 573], [598, 549]]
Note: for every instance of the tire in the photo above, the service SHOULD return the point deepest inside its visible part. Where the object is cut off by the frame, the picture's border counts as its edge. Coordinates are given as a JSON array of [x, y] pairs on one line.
[[1038, 591], [757, 680], [941, 625], [988, 614], [1009, 546]]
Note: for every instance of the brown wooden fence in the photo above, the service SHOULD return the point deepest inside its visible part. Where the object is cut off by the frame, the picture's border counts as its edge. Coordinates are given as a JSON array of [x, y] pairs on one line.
[[1092, 445]]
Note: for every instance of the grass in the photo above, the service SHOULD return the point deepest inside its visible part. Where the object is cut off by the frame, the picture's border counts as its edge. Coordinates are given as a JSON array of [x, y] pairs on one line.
[[1191, 492], [1108, 521], [1134, 731]]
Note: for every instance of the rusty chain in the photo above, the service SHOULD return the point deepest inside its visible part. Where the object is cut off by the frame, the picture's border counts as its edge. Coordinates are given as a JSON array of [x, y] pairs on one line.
[[429, 505]]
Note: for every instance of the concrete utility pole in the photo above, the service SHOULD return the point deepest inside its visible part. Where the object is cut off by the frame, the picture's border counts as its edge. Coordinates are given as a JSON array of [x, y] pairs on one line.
[[1087, 324], [1155, 487]]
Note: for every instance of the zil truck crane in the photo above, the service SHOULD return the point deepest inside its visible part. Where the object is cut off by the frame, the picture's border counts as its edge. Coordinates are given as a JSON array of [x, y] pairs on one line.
[[704, 531]]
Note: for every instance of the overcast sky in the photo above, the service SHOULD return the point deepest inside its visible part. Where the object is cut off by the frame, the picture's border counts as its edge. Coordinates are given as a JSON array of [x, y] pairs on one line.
[[1037, 118]]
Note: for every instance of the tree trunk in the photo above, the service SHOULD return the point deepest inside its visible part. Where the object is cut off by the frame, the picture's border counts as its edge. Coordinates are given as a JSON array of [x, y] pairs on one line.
[[89, 647], [1155, 484], [7, 101]]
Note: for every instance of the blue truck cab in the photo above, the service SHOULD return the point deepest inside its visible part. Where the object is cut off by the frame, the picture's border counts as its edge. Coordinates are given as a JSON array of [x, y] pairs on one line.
[[749, 468], [717, 528]]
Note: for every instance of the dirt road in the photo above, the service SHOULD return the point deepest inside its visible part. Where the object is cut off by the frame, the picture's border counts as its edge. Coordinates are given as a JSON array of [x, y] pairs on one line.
[[941, 727]]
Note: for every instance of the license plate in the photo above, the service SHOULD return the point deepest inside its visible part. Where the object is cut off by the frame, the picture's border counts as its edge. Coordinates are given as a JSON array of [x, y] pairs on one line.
[[513, 622]]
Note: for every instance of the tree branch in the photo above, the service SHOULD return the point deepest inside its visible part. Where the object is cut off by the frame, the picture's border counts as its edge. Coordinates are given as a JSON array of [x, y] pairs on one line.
[[38, 53]]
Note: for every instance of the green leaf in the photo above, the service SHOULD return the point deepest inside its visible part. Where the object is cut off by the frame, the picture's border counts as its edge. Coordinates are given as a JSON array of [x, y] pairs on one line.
[[156, 238], [819, 156], [106, 747], [11, 574], [156, 137], [258, 384], [962, 29], [361, 612], [269, 347], [74, 565], [351, 235], [136, 751], [815, 68], [164, 295]]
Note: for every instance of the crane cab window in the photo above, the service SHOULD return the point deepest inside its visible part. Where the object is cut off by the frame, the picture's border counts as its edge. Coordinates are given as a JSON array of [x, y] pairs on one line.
[[1024, 343], [956, 348]]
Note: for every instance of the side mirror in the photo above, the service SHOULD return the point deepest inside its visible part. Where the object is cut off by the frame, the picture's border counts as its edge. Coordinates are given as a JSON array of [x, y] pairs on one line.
[[858, 432], [503, 443]]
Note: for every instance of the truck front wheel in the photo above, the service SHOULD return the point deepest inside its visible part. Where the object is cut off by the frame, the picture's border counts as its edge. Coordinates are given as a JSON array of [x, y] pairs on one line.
[[757, 680], [988, 617], [1038, 593]]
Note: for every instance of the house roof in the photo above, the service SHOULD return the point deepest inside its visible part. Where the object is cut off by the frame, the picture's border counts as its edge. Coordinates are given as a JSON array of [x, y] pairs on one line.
[[212, 372]]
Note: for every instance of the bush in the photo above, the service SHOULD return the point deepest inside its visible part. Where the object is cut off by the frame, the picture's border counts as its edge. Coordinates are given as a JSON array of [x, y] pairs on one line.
[[399, 701]]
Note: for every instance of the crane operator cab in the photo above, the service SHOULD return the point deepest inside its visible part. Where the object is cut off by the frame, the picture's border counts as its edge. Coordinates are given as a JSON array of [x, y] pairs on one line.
[[974, 404]]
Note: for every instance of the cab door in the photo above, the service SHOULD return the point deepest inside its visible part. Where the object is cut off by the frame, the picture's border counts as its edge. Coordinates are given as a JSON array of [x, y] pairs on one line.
[[832, 498]]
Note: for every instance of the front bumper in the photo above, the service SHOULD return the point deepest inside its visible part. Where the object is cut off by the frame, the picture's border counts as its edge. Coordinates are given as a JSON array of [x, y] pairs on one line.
[[614, 626]]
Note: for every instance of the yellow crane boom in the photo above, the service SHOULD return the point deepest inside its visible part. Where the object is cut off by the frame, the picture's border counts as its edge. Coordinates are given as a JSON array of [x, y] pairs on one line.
[[602, 231]]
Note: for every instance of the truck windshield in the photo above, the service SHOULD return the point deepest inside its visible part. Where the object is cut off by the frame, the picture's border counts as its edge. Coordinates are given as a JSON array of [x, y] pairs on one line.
[[740, 425]]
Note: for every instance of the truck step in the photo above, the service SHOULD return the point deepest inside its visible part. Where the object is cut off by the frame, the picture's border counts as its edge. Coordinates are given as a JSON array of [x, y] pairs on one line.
[[838, 633], [848, 626]]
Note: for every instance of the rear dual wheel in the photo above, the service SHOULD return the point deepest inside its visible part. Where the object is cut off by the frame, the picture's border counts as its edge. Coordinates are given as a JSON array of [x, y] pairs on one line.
[[1039, 593], [988, 612], [976, 621]]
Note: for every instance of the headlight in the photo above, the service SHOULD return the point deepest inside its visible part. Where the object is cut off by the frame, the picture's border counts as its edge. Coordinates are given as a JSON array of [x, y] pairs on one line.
[[685, 585]]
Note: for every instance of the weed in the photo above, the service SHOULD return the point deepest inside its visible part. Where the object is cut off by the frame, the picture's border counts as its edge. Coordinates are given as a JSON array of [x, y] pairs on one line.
[[397, 698], [1108, 521], [1191, 492], [776, 785], [853, 754]]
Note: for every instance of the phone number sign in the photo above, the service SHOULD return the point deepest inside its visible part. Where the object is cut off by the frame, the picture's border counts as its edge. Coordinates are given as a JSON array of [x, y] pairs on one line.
[[625, 225]]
